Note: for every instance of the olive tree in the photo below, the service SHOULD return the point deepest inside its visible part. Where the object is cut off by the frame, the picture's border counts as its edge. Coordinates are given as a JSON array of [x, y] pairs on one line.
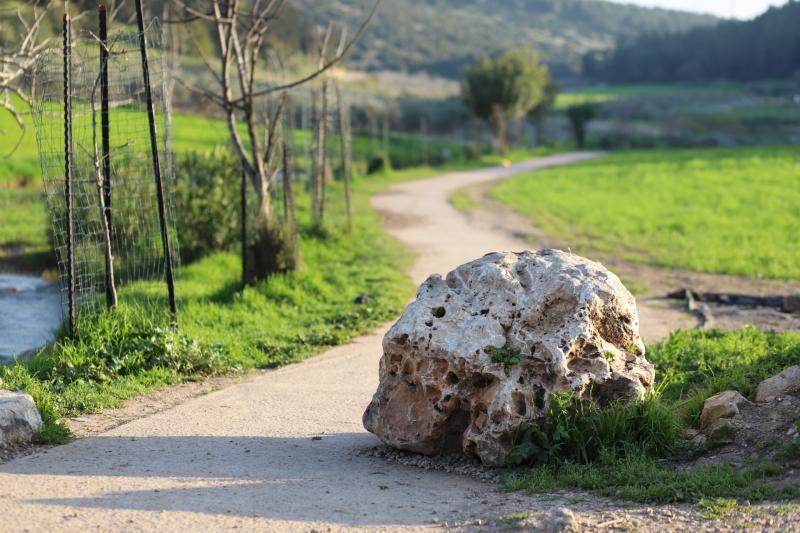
[[505, 87]]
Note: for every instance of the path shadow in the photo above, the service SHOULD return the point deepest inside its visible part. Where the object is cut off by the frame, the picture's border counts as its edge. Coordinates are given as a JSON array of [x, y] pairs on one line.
[[292, 479]]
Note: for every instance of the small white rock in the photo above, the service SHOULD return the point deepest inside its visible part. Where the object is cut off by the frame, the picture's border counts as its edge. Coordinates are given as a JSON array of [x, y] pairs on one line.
[[19, 418]]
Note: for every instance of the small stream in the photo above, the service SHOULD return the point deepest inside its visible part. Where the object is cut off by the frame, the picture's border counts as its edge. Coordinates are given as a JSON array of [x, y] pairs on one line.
[[30, 314]]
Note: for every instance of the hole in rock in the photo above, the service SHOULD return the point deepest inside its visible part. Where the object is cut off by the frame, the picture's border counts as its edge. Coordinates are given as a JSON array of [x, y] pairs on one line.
[[520, 405], [438, 312], [539, 398], [481, 381], [451, 378]]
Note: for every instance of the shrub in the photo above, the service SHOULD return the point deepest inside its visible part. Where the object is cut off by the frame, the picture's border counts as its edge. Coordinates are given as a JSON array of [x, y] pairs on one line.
[[207, 203], [379, 164]]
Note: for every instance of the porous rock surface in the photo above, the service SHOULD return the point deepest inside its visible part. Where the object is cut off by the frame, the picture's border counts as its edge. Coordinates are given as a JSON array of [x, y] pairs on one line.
[[19, 418], [480, 352]]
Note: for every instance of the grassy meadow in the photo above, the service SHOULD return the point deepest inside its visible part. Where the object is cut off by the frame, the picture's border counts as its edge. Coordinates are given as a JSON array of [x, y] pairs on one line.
[[722, 210]]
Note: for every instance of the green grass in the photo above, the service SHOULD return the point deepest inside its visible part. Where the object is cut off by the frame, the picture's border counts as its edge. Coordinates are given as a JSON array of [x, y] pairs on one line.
[[730, 211], [641, 479], [693, 364], [605, 93], [717, 507], [634, 451], [289, 317], [116, 356], [200, 133]]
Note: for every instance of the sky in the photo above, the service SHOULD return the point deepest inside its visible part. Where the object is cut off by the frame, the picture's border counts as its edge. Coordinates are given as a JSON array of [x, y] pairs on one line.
[[741, 9]]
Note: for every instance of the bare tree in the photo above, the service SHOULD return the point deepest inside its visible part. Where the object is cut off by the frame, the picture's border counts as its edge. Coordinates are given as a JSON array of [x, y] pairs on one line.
[[241, 28], [320, 156], [16, 59], [346, 140]]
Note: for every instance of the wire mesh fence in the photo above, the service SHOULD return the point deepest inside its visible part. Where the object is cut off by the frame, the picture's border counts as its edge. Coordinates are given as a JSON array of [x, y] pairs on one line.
[[106, 176]]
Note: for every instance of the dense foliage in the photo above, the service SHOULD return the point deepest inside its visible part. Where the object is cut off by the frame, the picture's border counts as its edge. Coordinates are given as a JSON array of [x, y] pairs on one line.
[[764, 48], [207, 203]]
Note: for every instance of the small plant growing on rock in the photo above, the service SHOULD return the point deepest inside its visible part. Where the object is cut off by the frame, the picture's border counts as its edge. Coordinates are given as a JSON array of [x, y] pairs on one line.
[[504, 355], [438, 312]]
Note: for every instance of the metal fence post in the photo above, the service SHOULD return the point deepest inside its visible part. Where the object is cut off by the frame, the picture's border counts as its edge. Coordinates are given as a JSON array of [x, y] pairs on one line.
[[71, 296], [162, 215]]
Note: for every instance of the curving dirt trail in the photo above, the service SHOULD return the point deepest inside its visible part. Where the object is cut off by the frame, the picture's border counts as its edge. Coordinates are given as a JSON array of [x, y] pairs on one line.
[[283, 450]]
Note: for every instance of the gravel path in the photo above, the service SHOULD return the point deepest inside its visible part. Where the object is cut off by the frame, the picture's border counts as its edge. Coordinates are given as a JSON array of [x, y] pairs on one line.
[[285, 450]]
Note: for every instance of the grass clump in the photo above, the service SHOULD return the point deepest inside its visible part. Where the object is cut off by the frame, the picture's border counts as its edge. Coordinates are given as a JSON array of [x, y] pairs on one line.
[[580, 431], [717, 507], [505, 355]]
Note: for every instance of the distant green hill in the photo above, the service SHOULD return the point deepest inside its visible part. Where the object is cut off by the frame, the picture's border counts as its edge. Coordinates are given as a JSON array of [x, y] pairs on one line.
[[442, 36]]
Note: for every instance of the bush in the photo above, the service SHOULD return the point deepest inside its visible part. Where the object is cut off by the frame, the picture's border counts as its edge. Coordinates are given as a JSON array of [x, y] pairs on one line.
[[379, 164], [207, 203]]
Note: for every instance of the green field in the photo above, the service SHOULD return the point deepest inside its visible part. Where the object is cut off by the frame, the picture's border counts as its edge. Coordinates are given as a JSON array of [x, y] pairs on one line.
[[199, 133], [606, 93], [730, 211]]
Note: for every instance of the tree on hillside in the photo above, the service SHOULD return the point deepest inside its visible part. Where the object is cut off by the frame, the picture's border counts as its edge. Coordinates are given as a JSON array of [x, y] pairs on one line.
[[579, 117], [538, 113], [505, 87], [241, 28]]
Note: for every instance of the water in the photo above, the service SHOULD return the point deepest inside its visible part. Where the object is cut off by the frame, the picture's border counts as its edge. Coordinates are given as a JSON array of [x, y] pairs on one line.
[[30, 314]]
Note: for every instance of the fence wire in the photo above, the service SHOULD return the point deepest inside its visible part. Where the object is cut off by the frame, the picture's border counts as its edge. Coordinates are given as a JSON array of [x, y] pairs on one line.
[[135, 226]]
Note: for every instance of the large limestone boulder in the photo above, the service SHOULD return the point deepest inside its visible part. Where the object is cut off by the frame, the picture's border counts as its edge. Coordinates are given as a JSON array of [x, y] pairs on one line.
[[480, 352], [19, 418]]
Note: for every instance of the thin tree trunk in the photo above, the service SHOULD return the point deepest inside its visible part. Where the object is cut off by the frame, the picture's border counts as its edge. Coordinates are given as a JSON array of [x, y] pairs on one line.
[[111, 290], [313, 182], [423, 139], [344, 134], [323, 133], [500, 130], [318, 189], [289, 217], [386, 126]]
